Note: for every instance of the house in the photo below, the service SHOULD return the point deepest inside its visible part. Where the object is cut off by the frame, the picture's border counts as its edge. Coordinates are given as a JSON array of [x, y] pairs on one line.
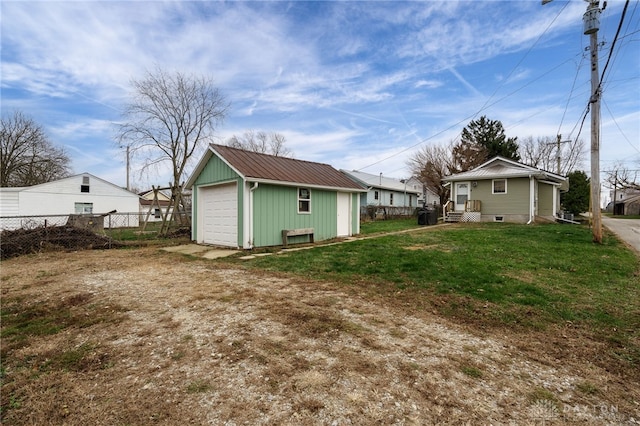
[[427, 196], [385, 196], [154, 209], [503, 190], [244, 199], [626, 201], [54, 201]]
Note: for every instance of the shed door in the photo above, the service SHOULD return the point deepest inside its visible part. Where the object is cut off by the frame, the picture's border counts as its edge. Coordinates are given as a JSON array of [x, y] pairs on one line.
[[344, 214], [219, 210]]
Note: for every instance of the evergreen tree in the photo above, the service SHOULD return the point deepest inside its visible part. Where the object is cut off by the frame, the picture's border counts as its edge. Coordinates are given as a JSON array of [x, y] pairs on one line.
[[482, 140], [576, 200]]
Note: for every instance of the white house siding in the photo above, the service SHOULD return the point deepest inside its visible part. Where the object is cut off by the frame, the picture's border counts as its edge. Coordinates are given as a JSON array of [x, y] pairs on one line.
[[60, 198], [9, 202]]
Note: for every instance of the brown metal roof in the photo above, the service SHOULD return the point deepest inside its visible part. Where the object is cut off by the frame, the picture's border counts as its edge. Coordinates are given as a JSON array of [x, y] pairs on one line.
[[253, 165]]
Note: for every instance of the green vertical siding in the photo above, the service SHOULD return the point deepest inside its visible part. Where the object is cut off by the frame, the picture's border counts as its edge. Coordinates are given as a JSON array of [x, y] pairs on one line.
[[217, 171], [276, 208]]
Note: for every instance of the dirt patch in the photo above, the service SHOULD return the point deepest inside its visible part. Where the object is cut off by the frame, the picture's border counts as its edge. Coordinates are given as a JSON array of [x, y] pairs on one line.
[[174, 340]]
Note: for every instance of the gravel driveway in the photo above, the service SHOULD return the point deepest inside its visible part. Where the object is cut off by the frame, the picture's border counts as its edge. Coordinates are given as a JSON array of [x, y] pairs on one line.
[[186, 341]]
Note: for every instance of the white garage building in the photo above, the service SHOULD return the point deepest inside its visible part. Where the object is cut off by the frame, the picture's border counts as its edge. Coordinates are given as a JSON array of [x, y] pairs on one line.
[[78, 194]]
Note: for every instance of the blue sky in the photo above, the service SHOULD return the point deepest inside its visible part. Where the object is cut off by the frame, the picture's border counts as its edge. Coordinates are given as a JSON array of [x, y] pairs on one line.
[[358, 85]]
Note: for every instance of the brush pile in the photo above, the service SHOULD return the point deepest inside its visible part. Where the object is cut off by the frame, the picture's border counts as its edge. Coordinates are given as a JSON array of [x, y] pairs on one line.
[[61, 238]]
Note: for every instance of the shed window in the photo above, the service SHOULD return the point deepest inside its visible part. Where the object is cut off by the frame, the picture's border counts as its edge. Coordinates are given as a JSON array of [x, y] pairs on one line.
[[499, 186], [304, 200], [84, 208]]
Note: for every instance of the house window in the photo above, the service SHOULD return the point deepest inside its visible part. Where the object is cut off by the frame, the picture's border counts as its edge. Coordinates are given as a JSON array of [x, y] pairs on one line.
[[390, 199], [156, 213], [304, 200], [85, 184], [410, 201], [84, 208], [375, 195], [499, 186]]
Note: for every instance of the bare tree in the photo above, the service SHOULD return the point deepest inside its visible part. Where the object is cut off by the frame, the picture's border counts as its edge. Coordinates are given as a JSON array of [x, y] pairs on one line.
[[170, 116], [621, 177], [262, 142], [430, 165], [27, 157], [542, 153], [466, 156]]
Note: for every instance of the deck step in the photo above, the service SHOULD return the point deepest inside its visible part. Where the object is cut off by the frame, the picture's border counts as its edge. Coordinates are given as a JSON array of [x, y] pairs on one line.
[[453, 217]]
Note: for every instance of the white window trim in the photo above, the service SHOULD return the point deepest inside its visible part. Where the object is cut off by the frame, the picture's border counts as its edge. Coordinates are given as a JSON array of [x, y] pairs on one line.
[[304, 199], [493, 187], [87, 208]]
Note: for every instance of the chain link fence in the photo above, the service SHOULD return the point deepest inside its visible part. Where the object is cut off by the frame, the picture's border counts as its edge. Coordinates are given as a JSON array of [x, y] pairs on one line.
[[375, 212], [32, 234]]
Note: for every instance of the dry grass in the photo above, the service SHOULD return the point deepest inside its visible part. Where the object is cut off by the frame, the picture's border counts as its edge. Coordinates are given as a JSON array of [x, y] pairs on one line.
[[138, 337]]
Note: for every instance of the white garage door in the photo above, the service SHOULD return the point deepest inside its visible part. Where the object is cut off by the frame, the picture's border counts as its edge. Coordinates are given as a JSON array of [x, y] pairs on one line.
[[219, 212]]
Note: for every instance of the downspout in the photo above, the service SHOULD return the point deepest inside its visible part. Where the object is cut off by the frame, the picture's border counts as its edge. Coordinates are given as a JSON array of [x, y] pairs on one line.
[[555, 201], [531, 199], [253, 188]]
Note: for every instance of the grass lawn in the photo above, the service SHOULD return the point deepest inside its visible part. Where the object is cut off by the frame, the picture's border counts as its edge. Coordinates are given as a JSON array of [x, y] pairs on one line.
[[491, 275], [378, 226]]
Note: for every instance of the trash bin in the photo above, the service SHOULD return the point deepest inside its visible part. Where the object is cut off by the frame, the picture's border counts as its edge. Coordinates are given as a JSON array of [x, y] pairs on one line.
[[432, 216], [422, 217]]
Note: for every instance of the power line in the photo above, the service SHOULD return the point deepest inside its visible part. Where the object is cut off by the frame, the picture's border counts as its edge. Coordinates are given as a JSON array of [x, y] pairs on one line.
[[469, 117], [573, 85], [602, 75], [515, 67], [621, 132], [486, 105], [613, 44]]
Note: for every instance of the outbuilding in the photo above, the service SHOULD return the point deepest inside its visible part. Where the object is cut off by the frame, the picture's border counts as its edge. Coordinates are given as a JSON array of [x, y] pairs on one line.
[[52, 202], [244, 199]]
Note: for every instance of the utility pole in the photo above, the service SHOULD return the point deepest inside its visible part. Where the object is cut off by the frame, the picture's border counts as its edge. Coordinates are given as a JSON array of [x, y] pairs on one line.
[[128, 186], [558, 153], [591, 20]]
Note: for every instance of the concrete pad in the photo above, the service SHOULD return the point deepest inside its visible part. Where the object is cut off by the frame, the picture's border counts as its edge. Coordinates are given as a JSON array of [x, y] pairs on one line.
[[199, 250], [187, 249], [216, 254]]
